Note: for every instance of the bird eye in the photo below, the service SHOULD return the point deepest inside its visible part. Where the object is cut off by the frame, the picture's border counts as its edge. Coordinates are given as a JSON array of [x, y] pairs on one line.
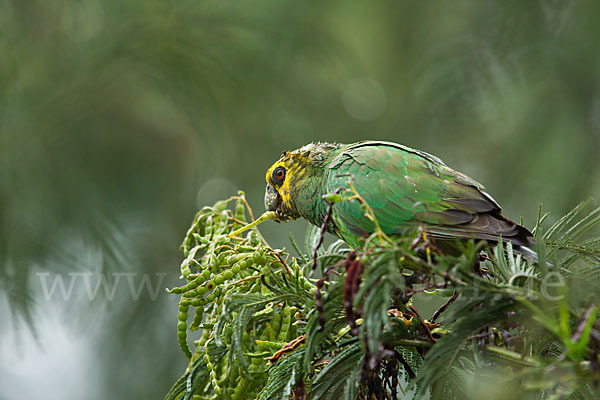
[[279, 175]]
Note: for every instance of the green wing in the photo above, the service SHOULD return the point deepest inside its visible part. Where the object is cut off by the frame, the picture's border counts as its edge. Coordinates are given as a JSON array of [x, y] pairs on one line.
[[406, 187]]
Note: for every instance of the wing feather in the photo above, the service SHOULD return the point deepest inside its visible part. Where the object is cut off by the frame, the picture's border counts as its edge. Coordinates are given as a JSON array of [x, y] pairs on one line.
[[407, 187]]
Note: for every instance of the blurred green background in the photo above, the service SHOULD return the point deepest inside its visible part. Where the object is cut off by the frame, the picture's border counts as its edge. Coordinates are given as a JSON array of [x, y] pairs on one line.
[[119, 119]]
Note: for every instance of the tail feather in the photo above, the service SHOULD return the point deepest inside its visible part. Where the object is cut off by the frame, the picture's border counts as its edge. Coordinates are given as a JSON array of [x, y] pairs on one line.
[[527, 253]]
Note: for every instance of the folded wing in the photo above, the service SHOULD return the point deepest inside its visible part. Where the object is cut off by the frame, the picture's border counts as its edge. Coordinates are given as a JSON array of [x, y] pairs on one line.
[[407, 187]]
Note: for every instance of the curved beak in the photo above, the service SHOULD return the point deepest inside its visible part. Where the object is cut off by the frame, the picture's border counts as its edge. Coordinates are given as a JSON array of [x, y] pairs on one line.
[[272, 198]]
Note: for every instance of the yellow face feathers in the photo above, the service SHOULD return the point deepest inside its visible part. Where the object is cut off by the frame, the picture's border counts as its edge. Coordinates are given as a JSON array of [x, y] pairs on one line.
[[290, 167], [294, 177]]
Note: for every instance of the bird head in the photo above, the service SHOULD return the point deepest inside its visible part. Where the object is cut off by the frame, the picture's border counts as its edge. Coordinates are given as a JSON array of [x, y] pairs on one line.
[[291, 174]]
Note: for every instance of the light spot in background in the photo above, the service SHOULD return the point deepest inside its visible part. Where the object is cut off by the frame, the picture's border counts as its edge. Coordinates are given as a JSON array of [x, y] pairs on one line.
[[556, 13], [214, 190], [364, 99], [292, 131], [83, 20]]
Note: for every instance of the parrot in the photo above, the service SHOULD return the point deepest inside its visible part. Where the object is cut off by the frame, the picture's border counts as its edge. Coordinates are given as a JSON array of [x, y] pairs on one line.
[[405, 189]]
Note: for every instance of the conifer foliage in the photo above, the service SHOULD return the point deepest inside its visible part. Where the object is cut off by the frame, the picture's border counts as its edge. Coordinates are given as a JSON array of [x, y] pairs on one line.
[[332, 323]]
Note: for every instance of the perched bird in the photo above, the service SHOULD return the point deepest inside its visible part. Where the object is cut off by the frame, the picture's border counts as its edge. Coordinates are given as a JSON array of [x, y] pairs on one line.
[[404, 187]]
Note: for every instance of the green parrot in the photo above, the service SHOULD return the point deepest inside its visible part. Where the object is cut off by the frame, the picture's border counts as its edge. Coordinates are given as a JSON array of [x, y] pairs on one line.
[[404, 187]]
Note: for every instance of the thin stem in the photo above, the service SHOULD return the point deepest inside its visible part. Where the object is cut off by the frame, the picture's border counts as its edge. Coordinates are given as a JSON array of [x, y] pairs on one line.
[[443, 308], [511, 356], [267, 215], [322, 233]]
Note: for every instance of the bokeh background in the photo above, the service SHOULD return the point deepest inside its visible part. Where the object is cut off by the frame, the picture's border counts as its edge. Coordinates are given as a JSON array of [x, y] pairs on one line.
[[119, 119]]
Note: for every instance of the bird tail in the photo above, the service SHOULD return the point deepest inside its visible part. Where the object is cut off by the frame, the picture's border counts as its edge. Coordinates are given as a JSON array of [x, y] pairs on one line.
[[527, 253]]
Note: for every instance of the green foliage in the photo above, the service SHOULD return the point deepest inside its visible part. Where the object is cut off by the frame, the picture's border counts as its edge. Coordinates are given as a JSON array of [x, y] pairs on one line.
[[507, 328], [332, 381], [117, 116]]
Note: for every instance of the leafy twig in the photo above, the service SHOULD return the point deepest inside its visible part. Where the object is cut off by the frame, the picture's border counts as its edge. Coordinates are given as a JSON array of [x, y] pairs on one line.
[[440, 310], [322, 232]]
